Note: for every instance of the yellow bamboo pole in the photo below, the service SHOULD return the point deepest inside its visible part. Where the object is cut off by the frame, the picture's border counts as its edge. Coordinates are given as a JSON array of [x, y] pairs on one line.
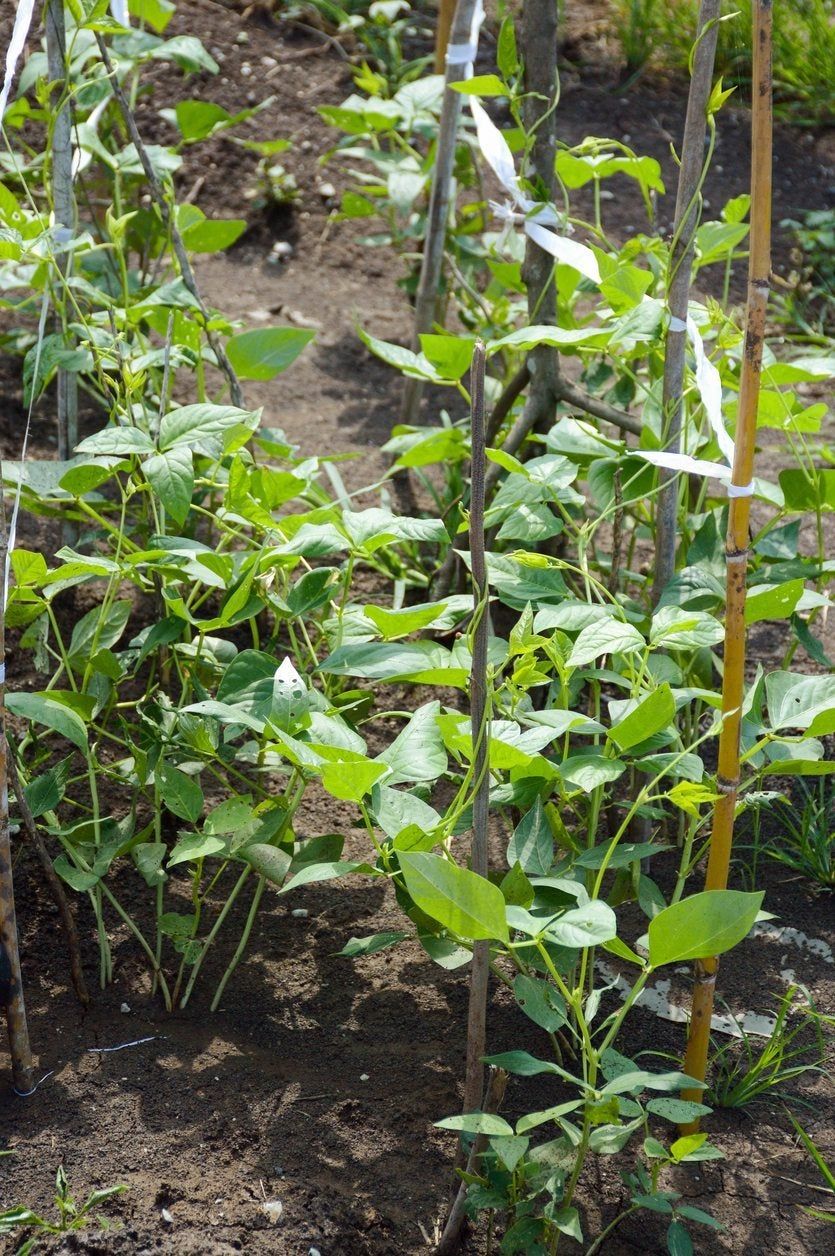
[[736, 545], [446, 10]]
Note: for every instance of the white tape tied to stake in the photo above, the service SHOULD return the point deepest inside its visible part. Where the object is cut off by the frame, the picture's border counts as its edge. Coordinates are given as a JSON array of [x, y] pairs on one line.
[[538, 223]]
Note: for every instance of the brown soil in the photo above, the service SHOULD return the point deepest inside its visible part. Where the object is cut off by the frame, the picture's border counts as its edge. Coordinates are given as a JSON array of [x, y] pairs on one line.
[[318, 1081]]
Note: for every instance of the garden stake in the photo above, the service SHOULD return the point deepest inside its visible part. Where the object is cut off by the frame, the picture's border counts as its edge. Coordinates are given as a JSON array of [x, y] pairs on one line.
[[480, 729], [164, 208], [439, 204], [446, 11], [493, 1096], [736, 547], [688, 207], [11, 986]]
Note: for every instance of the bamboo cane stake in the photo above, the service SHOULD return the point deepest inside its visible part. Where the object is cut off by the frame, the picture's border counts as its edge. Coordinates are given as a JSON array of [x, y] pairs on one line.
[[11, 985], [480, 726], [63, 202], [688, 206], [439, 205], [446, 11], [736, 546]]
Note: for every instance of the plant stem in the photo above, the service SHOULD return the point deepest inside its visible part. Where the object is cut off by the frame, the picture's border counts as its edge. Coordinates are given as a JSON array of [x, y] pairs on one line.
[[736, 547], [243, 942]]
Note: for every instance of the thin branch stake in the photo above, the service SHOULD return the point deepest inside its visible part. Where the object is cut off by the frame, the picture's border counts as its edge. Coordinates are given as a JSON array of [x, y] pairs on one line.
[[439, 202], [480, 726], [688, 207], [736, 546], [493, 1096], [63, 201], [158, 193], [11, 985]]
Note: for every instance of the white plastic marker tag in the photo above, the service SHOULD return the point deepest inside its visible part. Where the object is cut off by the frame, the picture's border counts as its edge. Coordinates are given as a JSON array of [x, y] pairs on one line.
[[465, 54], [119, 9], [22, 22]]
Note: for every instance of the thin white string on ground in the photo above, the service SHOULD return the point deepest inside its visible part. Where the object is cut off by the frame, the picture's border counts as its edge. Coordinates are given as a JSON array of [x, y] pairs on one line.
[[123, 1046], [24, 1094]]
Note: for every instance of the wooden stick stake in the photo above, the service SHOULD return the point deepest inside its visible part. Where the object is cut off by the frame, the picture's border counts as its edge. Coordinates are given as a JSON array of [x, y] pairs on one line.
[[688, 206], [736, 546], [11, 986], [63, 203], [480, 726], [446, 11], [439, 202]]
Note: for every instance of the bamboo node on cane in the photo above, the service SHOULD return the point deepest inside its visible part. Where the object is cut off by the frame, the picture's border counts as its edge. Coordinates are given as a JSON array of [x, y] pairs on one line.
[[736, 555], [726, 785]]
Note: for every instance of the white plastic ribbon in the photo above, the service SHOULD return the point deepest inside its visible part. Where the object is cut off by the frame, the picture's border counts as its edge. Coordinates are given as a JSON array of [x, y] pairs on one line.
[[20, 31], [465, 54], [537, 223], [22, 22]]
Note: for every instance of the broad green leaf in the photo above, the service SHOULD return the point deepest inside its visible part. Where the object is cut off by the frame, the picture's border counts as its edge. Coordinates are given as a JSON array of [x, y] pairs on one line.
[[463, 902], [196, 425], [99, 629], [351, 778], [369, 946], [589, 925], [481, 85], [636, 1080], [194, 846], [532, 843], [772, 601], [532, 1119], [121, 441], [44, 708], [644, 720], [171, 476], [476, 1123], [265, 352], [417, 753], [179, 792], [450, 355], [679, 1111], [798, 701], [327, 871], [268, 861], [701, 926], [540, 1001], [607, 636], [74, 877]]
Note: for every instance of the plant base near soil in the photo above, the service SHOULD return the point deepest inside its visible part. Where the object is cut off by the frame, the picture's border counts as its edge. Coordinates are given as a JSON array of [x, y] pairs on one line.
[[265, 1100]]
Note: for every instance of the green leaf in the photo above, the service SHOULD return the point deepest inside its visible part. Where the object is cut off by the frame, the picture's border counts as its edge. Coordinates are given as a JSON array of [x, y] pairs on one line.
[[45, 792], [607, 636], [74, 877], [701, 926], [371, 945], [265, 352], [532, 844], [43, 708], [679, 1242], [540, 1001], [351, 778], [532, 1119], [192, 846], [203, 426], [121, 441], [99, 628], [171, 476], [180, 793], [645, 719], [269, 862], [463, 902], [772, 601], [327, 871], [481, 85], [476, 1123], [417, 753], [679, 1111], [213, 235], [589, 925], [450, 355]]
